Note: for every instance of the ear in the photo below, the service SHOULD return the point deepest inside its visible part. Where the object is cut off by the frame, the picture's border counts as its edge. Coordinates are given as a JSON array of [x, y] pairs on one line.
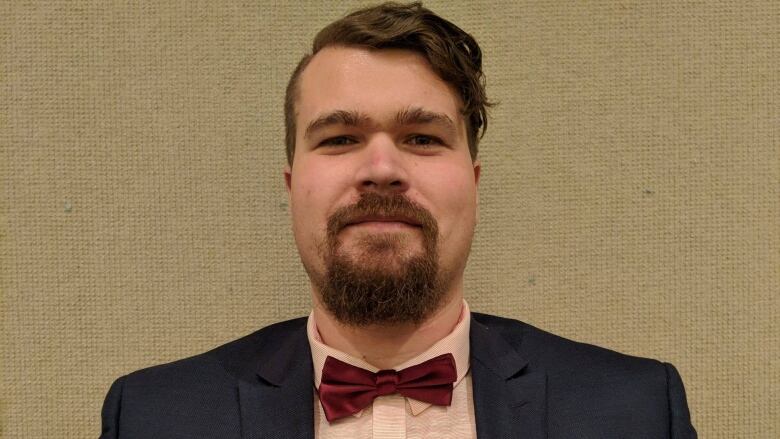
[[477, 172], [288, 178]]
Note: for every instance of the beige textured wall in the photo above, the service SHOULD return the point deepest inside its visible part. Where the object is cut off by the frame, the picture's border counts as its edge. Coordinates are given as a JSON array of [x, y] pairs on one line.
[[630, 193]]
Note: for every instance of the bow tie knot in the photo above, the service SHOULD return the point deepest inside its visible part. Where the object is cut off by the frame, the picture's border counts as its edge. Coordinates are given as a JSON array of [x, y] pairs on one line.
[[386, 382], [346, 389]]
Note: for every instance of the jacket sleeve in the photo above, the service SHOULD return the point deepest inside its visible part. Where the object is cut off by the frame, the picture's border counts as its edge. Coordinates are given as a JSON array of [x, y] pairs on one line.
[[111, 409], [679, 417]]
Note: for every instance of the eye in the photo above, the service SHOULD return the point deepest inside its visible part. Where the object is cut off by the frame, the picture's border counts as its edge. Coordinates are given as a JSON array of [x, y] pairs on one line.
[[338, 141], [424, 140]]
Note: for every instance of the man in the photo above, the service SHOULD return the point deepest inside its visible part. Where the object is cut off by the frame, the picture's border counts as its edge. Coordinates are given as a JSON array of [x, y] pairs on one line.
[[383, 122]]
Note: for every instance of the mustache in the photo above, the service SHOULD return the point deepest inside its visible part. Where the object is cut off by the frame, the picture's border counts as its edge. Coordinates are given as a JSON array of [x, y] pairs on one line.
[[375, 205]]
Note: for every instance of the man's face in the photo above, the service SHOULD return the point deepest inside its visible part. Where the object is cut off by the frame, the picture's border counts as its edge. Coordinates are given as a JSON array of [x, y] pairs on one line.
[[382, 187]]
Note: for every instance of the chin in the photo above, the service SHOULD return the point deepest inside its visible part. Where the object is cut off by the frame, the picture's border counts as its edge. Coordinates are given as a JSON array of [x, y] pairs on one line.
[[382, 249]]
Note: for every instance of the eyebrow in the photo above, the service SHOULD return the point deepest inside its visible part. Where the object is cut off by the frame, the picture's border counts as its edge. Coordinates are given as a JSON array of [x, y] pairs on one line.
[[338, 117], [408, 116], [420, 116]]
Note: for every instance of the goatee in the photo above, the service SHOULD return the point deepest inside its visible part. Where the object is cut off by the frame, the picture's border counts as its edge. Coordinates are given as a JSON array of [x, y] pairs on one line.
[[382, 282]]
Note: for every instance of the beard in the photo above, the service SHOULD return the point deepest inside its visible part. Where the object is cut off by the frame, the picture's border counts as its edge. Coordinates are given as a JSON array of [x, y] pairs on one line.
[[384, 280]]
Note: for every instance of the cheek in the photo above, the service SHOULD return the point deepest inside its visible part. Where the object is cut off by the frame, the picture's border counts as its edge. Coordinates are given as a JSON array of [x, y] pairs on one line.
[[314, 192], [464, 214], [453, 202], [457, 191]]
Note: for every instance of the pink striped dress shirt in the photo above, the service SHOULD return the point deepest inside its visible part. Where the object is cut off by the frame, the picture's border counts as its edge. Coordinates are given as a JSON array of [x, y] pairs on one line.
[[394, 416]]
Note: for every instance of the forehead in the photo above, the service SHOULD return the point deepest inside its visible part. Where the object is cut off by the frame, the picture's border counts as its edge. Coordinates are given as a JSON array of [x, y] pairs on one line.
[[376, 82]]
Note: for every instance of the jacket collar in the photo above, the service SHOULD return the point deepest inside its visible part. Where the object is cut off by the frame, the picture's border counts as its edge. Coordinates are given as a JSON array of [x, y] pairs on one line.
[[277, 396], [510, 397]]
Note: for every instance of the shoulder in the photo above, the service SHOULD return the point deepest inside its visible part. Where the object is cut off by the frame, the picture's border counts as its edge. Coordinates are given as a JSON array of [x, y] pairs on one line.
[[553, 351], [223, 364], [591, 389], [581, 367], [594, 389], [195, 396]]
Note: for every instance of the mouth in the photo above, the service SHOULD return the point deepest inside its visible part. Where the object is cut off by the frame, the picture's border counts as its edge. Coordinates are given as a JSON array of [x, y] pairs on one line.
[[384, 222]]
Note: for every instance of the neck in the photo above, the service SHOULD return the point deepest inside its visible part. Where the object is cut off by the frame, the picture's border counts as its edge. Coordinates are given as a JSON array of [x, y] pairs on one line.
[[387, 346]]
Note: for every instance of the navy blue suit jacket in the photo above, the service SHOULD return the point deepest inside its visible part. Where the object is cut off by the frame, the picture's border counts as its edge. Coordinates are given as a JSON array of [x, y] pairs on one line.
[[527, 383]]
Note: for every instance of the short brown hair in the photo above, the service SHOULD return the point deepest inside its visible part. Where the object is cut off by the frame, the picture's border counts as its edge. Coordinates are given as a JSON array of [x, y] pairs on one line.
[[452, 53]]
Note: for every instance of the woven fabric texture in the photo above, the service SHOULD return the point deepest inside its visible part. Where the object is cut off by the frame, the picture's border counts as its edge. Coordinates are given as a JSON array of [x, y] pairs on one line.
[[630, 189]]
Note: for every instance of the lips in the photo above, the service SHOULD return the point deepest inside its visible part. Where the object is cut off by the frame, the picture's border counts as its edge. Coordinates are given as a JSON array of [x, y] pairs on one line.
[[383, 219], [382, 213]]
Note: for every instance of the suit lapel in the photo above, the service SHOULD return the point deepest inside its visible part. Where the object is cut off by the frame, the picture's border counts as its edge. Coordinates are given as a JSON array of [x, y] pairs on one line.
[[276, 398], [509, 397]]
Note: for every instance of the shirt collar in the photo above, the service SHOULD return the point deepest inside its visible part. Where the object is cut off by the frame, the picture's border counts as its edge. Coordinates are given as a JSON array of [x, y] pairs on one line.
[[456, 342]]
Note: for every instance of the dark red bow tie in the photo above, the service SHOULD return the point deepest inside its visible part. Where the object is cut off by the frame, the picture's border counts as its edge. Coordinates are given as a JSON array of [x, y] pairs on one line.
[[346, 389]]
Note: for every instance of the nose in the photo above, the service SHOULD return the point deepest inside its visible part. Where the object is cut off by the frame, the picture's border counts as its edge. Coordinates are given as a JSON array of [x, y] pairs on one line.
[[383, 168]]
